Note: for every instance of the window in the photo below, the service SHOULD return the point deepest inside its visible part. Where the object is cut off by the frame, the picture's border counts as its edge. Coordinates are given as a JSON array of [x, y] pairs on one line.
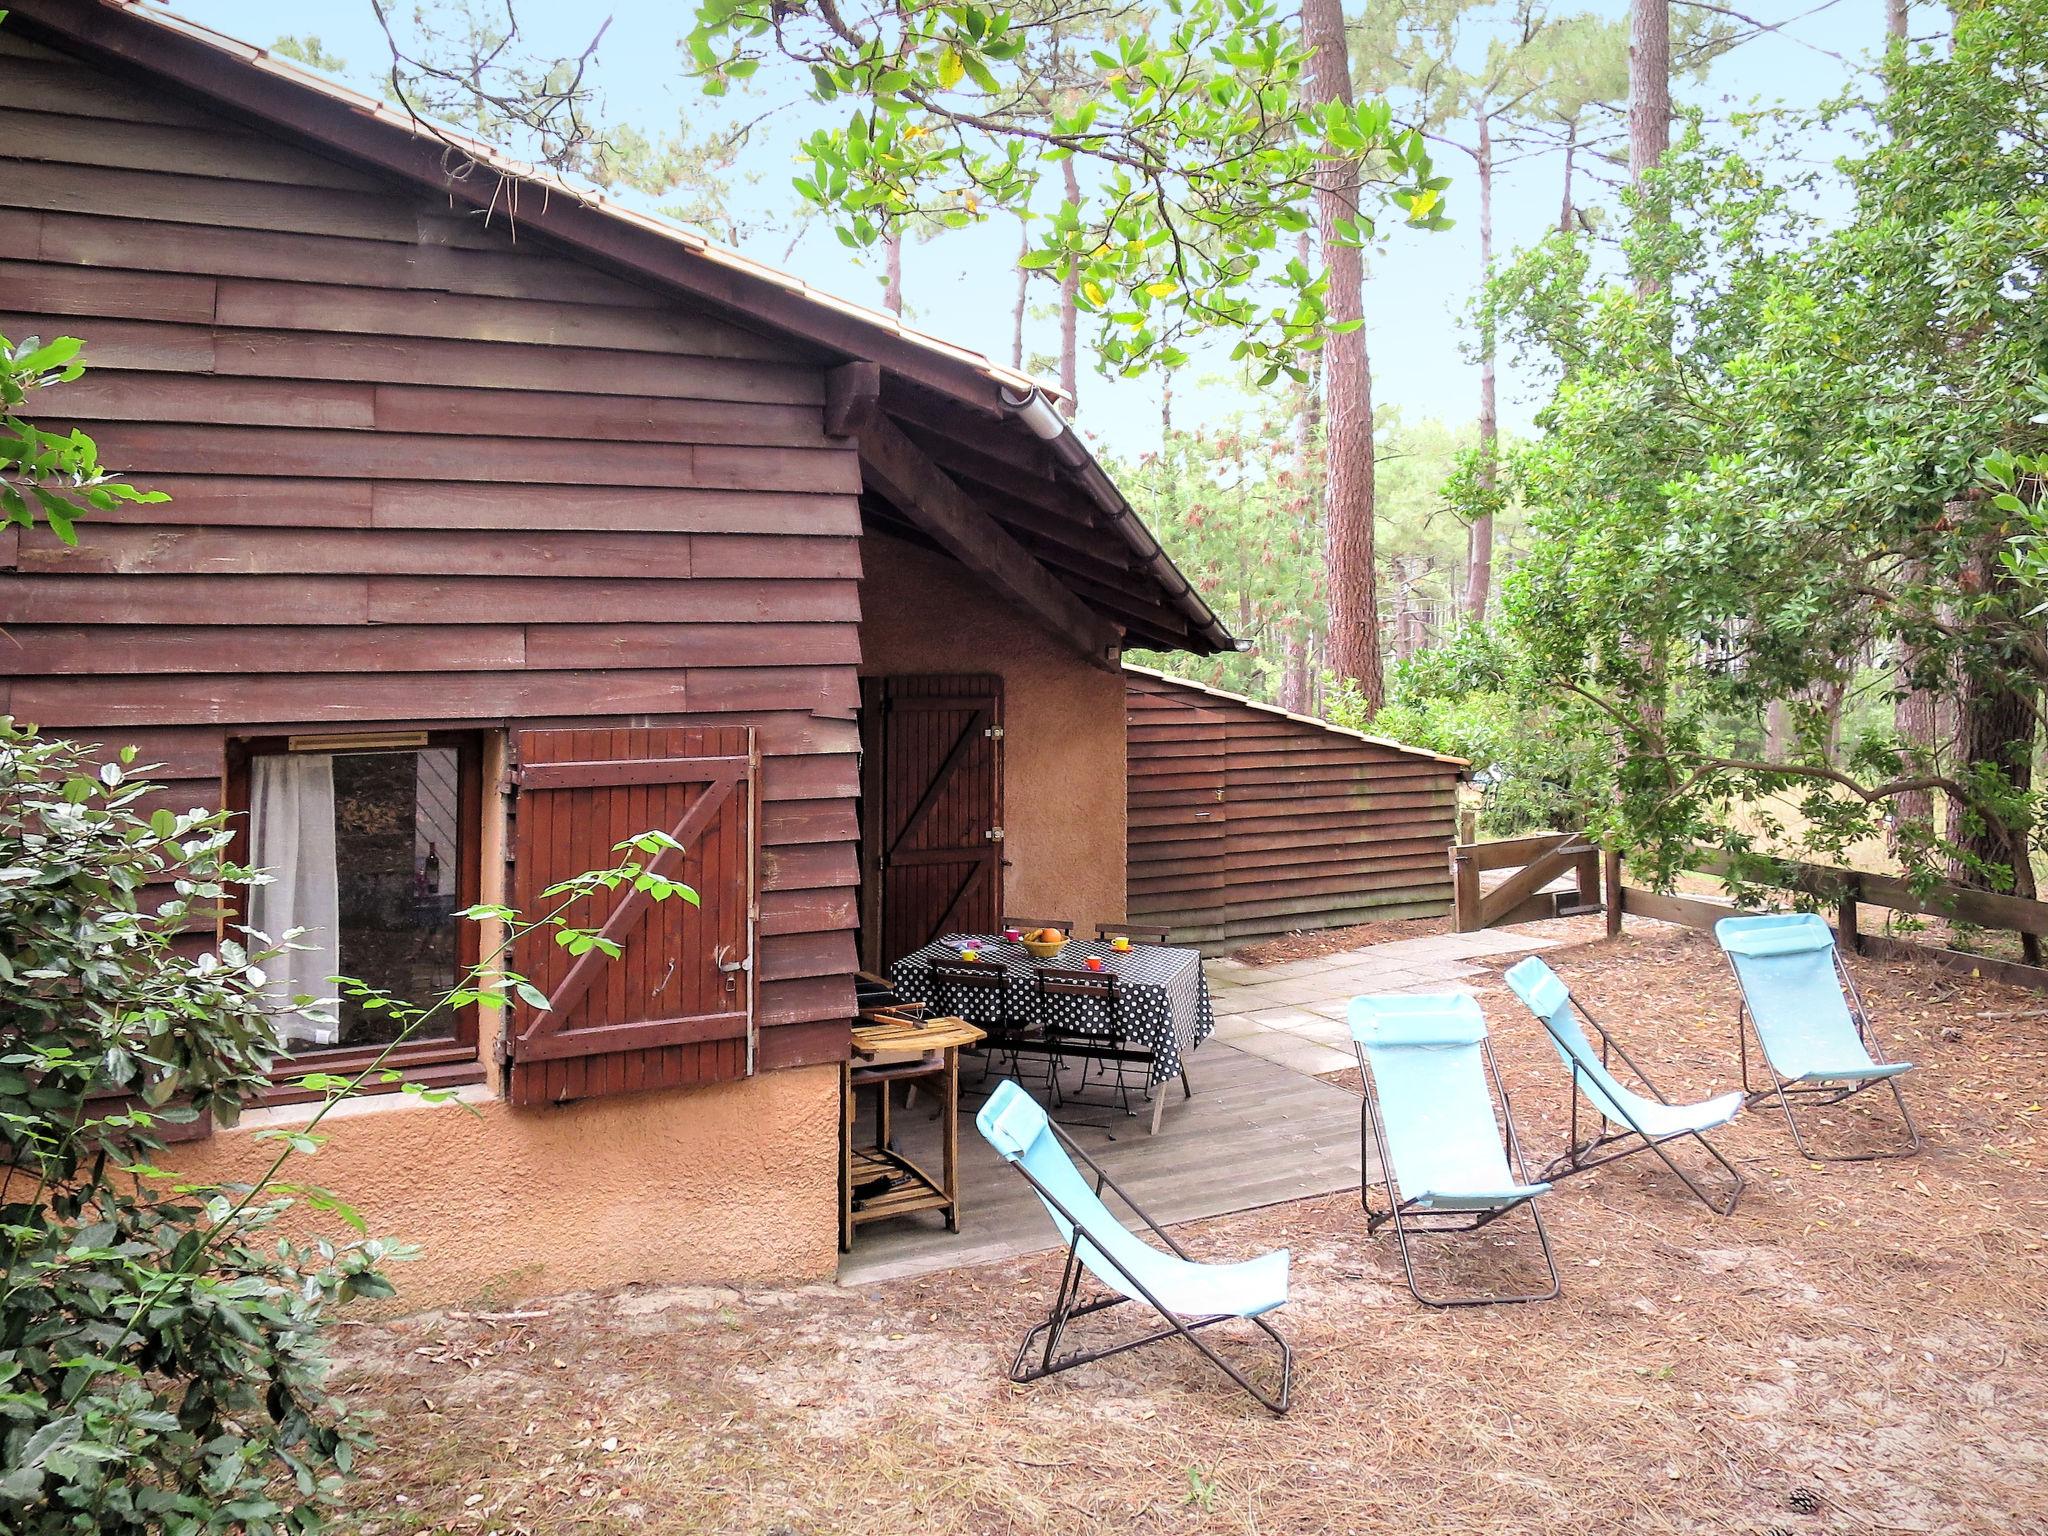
[[372, 847]]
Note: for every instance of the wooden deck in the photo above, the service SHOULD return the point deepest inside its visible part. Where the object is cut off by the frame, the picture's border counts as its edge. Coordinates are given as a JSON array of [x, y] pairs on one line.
[[1254, 1134]]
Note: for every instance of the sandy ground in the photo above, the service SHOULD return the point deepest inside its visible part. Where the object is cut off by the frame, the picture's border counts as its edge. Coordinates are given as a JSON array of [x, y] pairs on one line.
[[1860, 1348]]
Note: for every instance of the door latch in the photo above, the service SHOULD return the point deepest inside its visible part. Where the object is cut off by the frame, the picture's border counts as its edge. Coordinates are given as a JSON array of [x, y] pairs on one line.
[[732, 969]]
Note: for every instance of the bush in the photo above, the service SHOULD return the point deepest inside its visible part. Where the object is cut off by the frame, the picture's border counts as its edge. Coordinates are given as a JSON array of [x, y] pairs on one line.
[[161, 1354], [1536, 771]]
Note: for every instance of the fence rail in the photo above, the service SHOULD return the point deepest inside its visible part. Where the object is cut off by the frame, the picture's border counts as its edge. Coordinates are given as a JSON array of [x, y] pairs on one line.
[[1601, 882], [1536, 862]]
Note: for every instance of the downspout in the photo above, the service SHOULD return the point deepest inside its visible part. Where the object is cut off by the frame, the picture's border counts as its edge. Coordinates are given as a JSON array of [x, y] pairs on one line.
[[1046, 424]]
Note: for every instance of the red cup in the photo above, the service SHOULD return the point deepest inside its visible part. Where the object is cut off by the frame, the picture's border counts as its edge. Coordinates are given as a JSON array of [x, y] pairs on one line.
[[1095, 962], [1013, 934]]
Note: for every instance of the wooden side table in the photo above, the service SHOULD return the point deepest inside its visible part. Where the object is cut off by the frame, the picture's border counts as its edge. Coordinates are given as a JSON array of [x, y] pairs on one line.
[[882, 1033]]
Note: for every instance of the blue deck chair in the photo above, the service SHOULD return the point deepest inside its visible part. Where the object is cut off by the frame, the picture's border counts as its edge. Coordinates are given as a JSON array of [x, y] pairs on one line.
[[1188, 1295], [1428, 1114], [1649, 1122], [1810, 1020]]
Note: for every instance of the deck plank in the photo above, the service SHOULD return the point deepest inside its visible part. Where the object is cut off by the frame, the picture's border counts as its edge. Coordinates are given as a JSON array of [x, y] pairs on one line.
[[1254, 1134]]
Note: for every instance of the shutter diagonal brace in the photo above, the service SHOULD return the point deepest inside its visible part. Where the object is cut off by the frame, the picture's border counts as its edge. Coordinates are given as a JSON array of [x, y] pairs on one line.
[[630, 911]]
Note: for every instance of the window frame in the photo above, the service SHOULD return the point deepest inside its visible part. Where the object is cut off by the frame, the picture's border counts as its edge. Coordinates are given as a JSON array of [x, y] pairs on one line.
[[443, 1062]]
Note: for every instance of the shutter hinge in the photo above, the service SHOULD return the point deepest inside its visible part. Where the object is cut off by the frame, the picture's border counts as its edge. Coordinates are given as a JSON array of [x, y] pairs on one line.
[[994, 834], [994, 733]]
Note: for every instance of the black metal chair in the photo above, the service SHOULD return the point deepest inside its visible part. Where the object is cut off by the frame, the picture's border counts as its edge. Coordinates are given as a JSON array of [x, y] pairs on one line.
[[1083, 1016], [1137, 933], [980, 993], [1026, 924], [872, 991]]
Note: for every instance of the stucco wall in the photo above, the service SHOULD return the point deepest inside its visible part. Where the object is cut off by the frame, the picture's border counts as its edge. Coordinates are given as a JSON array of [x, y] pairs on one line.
[[1063, 724], [736, 1183]]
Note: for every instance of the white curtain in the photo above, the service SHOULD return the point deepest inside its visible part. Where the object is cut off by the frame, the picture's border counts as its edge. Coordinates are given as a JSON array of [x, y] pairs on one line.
[[291, 833]]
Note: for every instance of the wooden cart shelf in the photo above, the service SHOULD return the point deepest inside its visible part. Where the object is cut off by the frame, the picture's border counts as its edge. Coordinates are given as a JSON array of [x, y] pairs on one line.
[[936, 1063]]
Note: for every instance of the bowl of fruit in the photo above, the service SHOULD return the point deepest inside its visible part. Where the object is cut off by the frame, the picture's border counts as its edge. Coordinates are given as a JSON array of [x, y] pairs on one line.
[[1043, 943]]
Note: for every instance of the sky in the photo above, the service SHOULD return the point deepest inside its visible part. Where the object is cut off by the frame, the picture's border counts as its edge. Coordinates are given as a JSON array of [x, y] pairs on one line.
[[961, 286]]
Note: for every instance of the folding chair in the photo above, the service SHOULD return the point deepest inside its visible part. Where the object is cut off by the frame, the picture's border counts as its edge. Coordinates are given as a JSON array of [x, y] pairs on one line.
[[1137, 933], [1816, 1044], [1653, 1121], [1083, 1018], [980, 993], [1429, 1115], [1188, 1295], [1026, 924]]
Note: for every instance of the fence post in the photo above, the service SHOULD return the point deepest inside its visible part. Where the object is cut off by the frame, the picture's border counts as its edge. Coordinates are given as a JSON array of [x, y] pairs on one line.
[[1464, 891], [1610, 878], [1846, 934]]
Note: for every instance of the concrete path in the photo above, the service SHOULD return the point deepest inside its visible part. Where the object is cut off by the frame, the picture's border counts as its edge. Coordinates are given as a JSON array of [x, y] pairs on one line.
[[1295, 1013]]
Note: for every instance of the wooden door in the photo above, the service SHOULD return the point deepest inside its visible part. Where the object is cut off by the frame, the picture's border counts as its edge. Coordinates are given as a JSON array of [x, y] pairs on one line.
[[931, 811], [675, 1006]]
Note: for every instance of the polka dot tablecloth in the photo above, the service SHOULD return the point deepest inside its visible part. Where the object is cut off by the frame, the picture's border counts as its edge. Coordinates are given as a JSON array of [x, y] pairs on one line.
[[1162, 995]]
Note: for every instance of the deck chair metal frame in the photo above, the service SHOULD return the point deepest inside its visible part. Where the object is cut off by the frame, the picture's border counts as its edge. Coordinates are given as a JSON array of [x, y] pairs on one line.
[[1825, 1092], [1068, 1306], [1577, 1158], [1407, 1219]]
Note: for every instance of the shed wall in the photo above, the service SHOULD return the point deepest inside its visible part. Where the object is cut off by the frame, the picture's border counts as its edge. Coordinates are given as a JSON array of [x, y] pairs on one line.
[[1321, 827]]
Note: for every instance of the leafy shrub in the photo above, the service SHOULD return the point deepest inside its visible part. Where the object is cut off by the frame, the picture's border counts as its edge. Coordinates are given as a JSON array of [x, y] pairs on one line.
[[1536, 770], [161, 1357]]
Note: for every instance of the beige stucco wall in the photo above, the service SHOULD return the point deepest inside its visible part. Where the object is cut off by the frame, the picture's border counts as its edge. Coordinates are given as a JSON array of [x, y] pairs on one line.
[[1063, 724], [734, 1183]]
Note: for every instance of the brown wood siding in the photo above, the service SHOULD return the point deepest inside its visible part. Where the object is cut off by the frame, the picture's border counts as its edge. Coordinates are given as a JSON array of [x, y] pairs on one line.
[[423, 473], [1245, 822]]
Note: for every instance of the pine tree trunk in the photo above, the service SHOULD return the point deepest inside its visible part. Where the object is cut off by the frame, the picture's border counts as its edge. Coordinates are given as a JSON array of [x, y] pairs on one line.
[[1915, 721], [1354, 640], [1649, 97], [1070, 312], [1165, 410], [1895, 17], [1649, 136], [1023, 295], [1294, 670], [1995, 724], [1571, 155], [892, 276], [1479, 538]]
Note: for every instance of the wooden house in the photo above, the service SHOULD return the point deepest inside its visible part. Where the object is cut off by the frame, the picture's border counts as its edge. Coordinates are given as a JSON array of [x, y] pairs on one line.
[[507, 523]]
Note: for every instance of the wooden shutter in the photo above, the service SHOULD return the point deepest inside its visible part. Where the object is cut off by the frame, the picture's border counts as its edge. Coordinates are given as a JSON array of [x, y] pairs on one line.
[[932, 810], [676, 1006]]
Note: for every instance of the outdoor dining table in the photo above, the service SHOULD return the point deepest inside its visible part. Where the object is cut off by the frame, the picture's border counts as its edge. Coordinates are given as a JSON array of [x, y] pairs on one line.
[[1163, 997]]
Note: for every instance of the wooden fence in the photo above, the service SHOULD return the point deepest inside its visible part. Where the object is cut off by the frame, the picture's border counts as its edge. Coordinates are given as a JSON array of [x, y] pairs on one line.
[[1601, 881], [1537, 861]]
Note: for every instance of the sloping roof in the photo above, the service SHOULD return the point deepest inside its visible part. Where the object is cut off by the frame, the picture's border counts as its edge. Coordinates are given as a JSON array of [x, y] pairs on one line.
[[1288, 714], [243, 79]]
